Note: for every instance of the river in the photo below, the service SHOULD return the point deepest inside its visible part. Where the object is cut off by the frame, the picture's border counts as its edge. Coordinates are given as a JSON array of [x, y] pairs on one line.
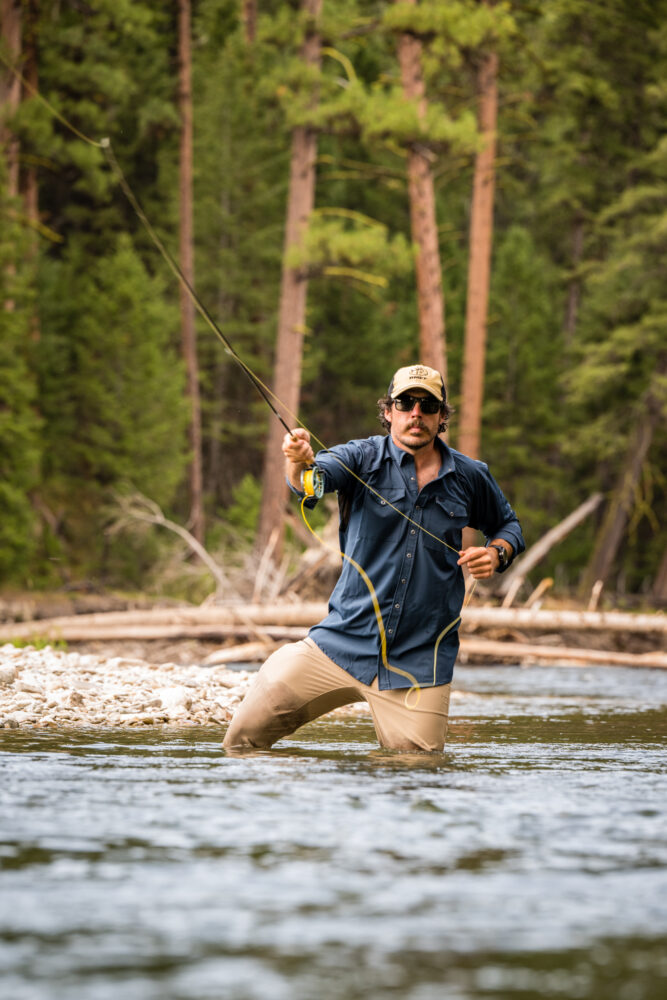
[[528, 860]]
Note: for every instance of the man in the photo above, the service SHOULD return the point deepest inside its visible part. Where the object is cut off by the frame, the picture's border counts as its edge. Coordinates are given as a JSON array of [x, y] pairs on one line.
[[391, 635]]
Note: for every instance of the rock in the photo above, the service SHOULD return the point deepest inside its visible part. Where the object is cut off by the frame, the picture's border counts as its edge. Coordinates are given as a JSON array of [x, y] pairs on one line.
[[7, 675], [175, 697], [50, 688], [28, 682], [9, 650]]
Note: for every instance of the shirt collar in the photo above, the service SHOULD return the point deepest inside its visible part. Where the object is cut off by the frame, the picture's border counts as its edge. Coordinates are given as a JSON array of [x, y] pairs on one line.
[[401, 456]]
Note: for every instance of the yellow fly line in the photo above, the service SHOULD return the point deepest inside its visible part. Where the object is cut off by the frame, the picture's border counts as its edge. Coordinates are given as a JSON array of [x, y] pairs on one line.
[[376, 606]]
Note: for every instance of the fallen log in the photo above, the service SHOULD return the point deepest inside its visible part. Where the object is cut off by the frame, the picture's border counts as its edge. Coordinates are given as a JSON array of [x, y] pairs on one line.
[[304, 613], [527, 654], [492, 651], [546, 620], [512, 579], [216, 622], [247, 652], [50, 632]]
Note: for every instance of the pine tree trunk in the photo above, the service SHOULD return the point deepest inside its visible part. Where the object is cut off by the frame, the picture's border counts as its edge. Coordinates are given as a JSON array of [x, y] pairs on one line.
[[188, 330], [613, 527], [423, 225], [10, 99], [292, 313], [28, 176], [479, 267], [249, 20], [659, 590], [10, 90]]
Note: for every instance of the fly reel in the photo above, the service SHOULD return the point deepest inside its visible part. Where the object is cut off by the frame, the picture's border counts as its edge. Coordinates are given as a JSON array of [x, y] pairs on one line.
[[312, 482]]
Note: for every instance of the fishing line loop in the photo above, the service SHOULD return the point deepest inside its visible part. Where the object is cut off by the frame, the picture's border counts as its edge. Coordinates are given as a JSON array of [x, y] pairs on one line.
[[415, 686]]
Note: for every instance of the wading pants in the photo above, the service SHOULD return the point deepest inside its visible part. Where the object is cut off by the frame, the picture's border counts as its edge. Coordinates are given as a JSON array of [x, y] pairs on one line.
[[299, 683]]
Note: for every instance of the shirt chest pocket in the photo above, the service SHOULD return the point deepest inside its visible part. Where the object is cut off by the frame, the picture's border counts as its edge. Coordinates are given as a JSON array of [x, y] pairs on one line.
[[380, 510], [445, 518]]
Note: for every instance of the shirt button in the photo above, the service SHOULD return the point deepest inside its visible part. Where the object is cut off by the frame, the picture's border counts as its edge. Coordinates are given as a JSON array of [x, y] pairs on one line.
[[409, 555], [390, 630], [397, 605], [383, 502], [403, 580], [412, 531]]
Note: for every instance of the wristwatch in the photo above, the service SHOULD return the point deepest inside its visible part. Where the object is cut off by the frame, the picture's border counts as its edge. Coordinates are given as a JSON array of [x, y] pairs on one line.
[[502, 555]]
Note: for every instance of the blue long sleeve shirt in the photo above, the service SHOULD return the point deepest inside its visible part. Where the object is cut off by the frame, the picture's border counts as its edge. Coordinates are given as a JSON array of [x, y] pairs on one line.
[[418, 586]]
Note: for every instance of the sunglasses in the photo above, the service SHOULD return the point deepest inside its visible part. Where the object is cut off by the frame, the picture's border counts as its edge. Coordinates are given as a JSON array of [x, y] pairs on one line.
[[427, 404]]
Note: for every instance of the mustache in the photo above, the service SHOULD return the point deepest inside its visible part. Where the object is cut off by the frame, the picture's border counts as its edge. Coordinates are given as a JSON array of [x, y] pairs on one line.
[[417, 423]]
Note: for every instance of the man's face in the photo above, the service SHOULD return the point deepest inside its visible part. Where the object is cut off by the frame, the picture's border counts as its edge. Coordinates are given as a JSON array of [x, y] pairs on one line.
[[413, 429]]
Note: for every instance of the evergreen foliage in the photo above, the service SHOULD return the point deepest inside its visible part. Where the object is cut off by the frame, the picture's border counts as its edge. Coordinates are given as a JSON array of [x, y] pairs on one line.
[[241, 169], [523, 414], [577, 312], [110, 385], [20, 442]]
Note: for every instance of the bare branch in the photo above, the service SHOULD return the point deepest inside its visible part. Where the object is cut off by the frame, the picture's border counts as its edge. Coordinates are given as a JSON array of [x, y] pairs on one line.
[[138, 508]]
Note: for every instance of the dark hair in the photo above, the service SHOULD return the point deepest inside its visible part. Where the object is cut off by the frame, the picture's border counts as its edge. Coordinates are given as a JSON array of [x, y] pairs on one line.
[[385, 403]]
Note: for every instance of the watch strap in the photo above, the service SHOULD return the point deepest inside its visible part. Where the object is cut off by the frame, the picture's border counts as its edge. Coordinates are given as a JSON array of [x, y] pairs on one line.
[[502, 555]]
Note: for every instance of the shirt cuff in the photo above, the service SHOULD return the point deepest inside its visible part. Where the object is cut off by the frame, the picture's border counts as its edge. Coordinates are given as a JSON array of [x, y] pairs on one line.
[[311, 502]]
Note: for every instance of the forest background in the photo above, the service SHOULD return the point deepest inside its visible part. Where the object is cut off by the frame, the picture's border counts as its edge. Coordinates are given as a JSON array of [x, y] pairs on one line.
[[96, 385]]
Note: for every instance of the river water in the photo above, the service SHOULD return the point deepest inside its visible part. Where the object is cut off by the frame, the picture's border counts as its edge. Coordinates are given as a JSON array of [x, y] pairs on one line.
[[528, 860]]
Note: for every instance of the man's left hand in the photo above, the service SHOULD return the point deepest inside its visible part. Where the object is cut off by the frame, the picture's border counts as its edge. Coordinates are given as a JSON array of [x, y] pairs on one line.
[[481, 562]]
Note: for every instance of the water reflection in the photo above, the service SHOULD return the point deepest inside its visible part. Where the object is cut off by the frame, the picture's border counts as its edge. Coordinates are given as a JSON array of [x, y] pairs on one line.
[[528, 859]]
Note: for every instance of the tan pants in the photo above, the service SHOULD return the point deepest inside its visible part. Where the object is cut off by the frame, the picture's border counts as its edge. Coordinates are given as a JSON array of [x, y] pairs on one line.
[[299, 683]]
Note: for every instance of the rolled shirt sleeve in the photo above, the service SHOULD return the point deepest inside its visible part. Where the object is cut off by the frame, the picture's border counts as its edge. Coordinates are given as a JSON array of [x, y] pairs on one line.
[[490, 511]]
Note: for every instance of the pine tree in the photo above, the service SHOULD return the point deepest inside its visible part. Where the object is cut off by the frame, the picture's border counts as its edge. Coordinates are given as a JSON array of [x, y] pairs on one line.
[[431, 306], [621, 379], [111, 389], [479, 262], [19, 420], [186, 256], [240, 185], [293, 292], [523, 417]]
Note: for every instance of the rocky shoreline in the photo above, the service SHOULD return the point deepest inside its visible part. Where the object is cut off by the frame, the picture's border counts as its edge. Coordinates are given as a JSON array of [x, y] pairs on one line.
[[42, 688]]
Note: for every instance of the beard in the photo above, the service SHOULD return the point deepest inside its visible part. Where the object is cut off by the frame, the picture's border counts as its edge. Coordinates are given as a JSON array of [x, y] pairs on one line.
[[423, 442]]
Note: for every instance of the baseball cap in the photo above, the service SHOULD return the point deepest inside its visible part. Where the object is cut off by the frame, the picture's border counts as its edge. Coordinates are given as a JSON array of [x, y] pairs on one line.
[[418, 377]]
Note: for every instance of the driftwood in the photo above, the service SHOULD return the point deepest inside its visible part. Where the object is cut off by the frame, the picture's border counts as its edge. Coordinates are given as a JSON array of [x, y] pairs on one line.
[[525, 653], [513, 578], [536, 597], [213, 622], [278, 623], [247, 652], [514, 652], [547, 620], [138, 508], [148, 633]]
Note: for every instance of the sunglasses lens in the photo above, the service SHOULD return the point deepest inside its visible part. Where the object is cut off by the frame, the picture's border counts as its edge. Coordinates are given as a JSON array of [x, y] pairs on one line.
[[427, 404]]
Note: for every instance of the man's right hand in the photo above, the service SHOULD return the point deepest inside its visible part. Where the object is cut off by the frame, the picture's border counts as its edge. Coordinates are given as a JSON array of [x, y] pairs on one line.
[[297, 449]]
